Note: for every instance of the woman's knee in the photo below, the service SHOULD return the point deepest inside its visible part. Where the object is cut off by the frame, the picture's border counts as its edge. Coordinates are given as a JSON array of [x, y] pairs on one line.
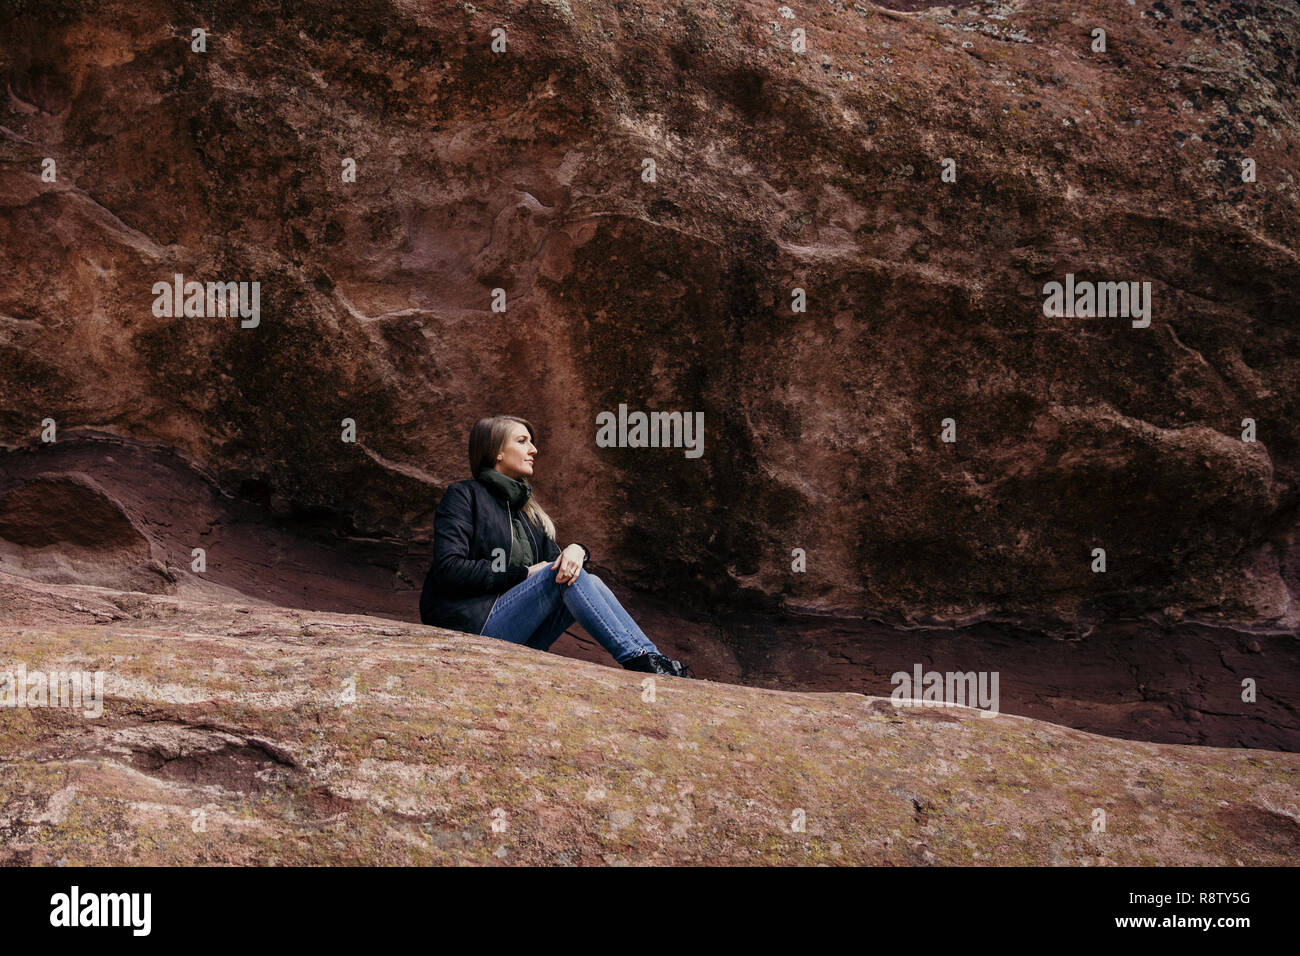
[[543, 580], [589, 578]]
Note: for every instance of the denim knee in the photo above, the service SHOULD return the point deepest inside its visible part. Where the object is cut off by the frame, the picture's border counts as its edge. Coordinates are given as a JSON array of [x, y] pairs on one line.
[[553, 587], [582, 572]]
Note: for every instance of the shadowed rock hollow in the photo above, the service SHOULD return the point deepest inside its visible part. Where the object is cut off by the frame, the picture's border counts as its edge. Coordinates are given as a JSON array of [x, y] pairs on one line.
[[1180, 683], [239, 734], [773, 170]]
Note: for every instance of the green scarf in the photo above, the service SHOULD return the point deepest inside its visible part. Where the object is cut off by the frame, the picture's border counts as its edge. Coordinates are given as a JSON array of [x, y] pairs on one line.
[[517, 492]]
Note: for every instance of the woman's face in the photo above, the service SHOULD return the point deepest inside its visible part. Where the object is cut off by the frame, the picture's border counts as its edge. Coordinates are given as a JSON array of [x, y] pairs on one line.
[[516, 459]]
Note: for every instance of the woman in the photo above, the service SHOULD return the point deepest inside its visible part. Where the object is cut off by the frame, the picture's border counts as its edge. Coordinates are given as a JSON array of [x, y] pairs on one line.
[[486, 578]]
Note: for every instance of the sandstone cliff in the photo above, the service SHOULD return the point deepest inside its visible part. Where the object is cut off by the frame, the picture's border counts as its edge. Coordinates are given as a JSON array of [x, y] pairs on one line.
[[775, 170]]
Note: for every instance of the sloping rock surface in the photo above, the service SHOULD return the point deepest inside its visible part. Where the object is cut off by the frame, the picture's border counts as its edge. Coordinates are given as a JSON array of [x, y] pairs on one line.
[[256, 734]]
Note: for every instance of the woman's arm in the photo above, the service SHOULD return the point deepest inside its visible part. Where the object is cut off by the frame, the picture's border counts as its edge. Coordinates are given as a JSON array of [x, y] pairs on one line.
[[453, 528]]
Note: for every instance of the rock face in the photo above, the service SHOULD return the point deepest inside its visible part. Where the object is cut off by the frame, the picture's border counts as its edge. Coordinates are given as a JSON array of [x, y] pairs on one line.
[[773, 170], [239, 734]]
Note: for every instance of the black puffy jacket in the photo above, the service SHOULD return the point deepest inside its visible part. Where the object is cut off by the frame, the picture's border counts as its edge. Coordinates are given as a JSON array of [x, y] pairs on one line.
[[461, 588]]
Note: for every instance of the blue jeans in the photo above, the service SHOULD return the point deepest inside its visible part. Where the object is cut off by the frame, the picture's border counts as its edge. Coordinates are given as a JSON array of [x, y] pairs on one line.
[[536, 611]]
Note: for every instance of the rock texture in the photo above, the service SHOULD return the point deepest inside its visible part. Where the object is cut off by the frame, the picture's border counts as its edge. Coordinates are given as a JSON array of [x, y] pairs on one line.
[[239, 734], [774, 170]]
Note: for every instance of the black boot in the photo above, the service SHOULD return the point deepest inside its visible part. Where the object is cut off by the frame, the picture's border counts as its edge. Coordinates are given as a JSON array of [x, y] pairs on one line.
[[658, 664]]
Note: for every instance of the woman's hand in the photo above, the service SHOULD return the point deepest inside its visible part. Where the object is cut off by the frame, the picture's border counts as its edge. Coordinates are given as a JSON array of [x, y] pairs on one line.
[[534, 568], [569, 563]]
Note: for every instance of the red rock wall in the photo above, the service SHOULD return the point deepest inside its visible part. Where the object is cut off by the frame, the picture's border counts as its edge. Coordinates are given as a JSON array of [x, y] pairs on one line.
[[774, 170]]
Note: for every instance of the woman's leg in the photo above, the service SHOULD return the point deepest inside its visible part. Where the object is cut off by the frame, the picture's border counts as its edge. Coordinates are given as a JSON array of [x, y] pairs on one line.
[[552, 627], [647, 645], [597, 610], [536, 611], [521, 611]]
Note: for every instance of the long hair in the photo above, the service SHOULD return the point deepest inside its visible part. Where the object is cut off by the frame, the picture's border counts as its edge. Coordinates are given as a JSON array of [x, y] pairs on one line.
[[486, 439]]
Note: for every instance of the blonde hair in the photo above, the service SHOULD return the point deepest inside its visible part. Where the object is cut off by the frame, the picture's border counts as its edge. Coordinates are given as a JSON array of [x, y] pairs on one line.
[[486, 439]]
